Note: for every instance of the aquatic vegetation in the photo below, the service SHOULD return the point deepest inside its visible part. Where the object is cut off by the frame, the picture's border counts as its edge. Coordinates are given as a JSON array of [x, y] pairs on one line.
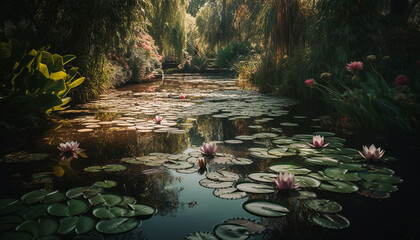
[[372, 153], [208, 149], [202, 163], [286, 181], [70, 150], [265, 208], [354, 66], [310, 82], [318, 142]]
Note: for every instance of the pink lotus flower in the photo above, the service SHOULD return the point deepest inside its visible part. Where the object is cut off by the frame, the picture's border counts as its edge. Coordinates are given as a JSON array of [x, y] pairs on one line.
[[310, 82], [401, 80], [158, 119], [372, 153], [208, 148], [70, 150], [136, 104], [286, 181], [181, 96], [354, 66], [318, 142], [202, 163]]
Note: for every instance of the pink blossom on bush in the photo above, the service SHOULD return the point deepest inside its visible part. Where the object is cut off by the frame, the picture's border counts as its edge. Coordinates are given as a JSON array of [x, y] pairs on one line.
[[354, 66], [401, 79], [310, 82]]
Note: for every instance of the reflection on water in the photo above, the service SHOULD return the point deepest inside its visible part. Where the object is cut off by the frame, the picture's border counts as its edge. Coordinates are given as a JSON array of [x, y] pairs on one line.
[[120, 125]]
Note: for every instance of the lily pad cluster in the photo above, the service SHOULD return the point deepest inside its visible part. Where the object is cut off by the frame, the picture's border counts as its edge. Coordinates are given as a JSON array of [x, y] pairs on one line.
[[106, 168], [43, 214]]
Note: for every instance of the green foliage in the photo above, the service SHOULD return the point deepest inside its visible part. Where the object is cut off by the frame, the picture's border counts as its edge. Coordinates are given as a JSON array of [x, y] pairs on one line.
[[232, 53], [194, 6]]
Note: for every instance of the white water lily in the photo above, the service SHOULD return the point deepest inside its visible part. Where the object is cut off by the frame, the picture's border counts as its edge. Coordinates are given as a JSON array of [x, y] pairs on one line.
[[318, 142]]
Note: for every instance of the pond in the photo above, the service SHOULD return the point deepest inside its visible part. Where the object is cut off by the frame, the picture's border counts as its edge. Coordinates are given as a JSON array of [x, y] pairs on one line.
[[139, 176]]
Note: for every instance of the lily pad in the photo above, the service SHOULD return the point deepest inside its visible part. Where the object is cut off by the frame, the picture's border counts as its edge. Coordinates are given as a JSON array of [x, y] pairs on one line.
[[55, 196], [9, 222], [265, 208], [76, 192], [229, 193], [241, 161], [81, 225], [233, 141], [215, 184], [291, 168], [108, 199], [307, 181], [251, 187], [323, 205], [117, 225], [380, 177], [114, 168], [178, 164], [373, 194], [262, 177], [323, 161], [201, 236], [341, 174], [331, 221], [138, 210], [106, 184], [282, 152], [231, 232], [16, 235], [339, 187], [35, 196], [34, 212], [93, 169], [352, 166], [72, 208], [252, 226], [325, 134], [245, 137], [10, 205], [283, 141], [103, 212], [39, 228], [223, 176], [379, 186]]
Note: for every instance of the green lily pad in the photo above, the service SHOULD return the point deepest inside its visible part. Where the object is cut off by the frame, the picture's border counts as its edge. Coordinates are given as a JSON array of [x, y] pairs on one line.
[[223, 176], [241, 161], [34, 212], [283, 141], [341, 158], [229, 193], [92, 192], [233, 141], [303, 137], [114, 168], [335, 139], [138, 210], [291, 168], [127, 200], [108, 199], [117, 225], [307, 181], [76, 192], [251, 187], [262, 155], [231, 232], [265, 208], [16, 235], [347, 151], [379, 169], [74, 207], [325, 134], [214, 184], [81, 225], [103, 212], [265, 135], [35, 196], [55, 196], [178, 164], [323, 161], [288, 124], [303, 194], [341, 174], [9, 222], [245, 137], [352, 166], [331, 221], [373, 194], [339, 187], [106, 184], [39, 228], [320, 176], [201, 236], [379, 186], [262, 177], [323, 205], [10, 205], [380, 177], [252, 226], [93, 169], [282, 152]]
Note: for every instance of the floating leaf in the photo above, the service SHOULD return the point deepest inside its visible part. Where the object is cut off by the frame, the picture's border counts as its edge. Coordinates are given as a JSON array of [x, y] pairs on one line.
[[9, 205], [352, 166], [303, 194], [103, 212], [108, 199], [201, 236], [281, 152], [307, 181], [178, 164], [323, 205], [241, 161], [8, 222], [341, 174], [323, 161], [214, 184], [283, 141], [245, 137], [34, 212], [231, 231], [291, 168], [106, 184], [252, 226], [233, 141], [379, 186], [55, 196], [229, 193], [265, 208], [74, 207], [251, 187], [39, 228], [92, 192], [380, 177], [117, 225], [76, 192], [325, 134], [332, 221], [138, 210], [93, 169], [339, 187], [114, 168], [262, 177], [372, 194], [16, 235], [81, 225], [35, 196], [224, 176]]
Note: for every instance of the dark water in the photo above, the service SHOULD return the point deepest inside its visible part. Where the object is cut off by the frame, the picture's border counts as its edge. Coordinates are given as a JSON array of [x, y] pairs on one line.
[[121, 126]]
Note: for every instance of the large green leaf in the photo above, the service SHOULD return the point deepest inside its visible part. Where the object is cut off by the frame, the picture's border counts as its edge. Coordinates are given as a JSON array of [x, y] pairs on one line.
[[35, 196], [58, 62], [323, 205], [39, 228], [76, 82], [72, 208], [48, 60], [138, 210], [103, 212], [117, 225], [60, 75], [265, 208], [231, 232], [251, 187], [81, 224], [108, 199]]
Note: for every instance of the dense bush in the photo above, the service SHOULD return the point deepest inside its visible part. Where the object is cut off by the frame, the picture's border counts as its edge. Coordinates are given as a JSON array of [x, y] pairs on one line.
[[231, 54]]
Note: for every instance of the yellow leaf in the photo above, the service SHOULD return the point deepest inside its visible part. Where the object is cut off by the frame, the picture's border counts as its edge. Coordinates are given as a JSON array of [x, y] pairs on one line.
[[58, 171]]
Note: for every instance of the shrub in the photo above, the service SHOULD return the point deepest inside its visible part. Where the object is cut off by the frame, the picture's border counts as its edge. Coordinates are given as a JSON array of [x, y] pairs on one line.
[[232, 53]]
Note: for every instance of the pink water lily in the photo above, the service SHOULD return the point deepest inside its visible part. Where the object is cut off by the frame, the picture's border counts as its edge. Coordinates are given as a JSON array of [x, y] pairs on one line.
[[202, 163], [70, 150], [181, 96], [286, 181], [318, 142], [310, 82], [372, 152], [208, 148], [158, 119], [354, 66]]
